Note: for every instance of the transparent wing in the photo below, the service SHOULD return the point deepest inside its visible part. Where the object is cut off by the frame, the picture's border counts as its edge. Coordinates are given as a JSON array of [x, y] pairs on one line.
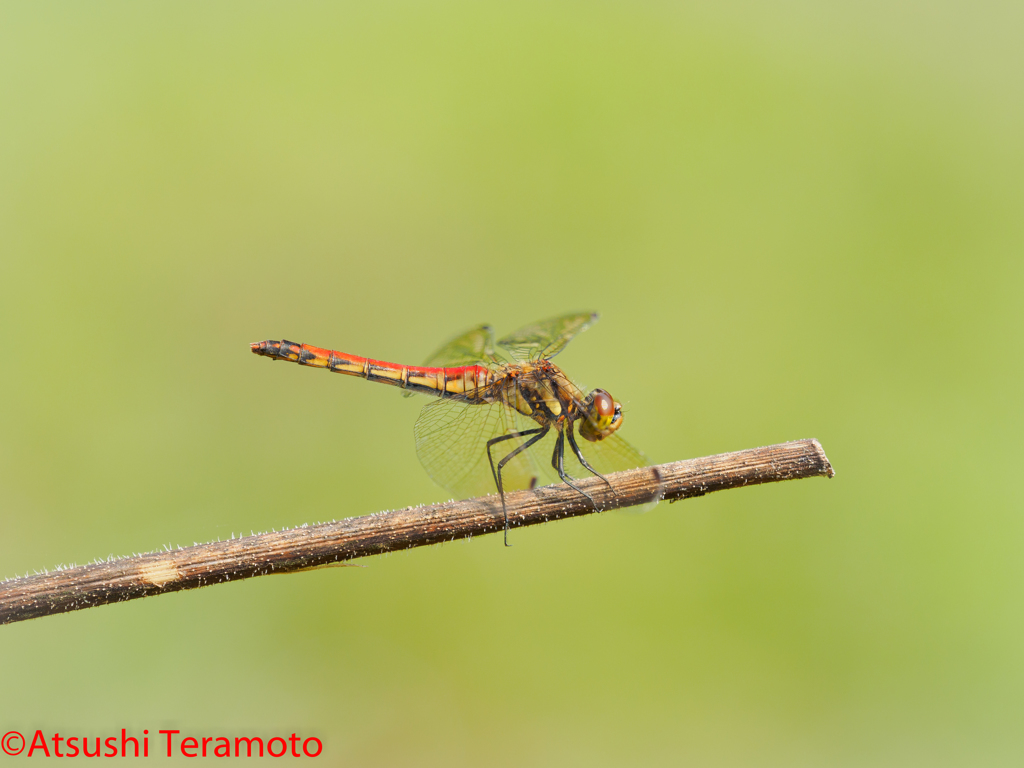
[[547, 338], [613, 454], [451, 443], [474, 346]]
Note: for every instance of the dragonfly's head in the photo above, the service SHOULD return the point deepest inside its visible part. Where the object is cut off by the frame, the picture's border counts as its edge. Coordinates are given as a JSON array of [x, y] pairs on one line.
[[604, 416]]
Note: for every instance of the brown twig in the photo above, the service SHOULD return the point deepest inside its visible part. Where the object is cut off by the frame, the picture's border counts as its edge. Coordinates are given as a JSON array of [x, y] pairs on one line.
[[127, 578]]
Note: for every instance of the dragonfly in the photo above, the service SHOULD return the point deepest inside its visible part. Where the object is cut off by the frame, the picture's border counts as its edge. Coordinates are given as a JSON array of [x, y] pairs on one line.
[[501, 408]]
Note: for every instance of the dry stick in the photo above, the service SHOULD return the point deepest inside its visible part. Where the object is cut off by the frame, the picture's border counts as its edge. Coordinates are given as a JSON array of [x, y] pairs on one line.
[[127, 578]]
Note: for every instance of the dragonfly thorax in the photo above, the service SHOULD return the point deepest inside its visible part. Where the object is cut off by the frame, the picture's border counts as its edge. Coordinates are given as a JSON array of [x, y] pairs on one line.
[[542, 392], [539, 390]]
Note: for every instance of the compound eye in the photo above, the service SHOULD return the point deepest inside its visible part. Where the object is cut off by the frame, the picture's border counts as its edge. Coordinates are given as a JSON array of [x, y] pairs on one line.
[[604, 406], [603, 416]]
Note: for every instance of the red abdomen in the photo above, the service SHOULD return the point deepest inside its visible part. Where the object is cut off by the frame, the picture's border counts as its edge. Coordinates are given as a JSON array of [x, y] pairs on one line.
[[445, 382]]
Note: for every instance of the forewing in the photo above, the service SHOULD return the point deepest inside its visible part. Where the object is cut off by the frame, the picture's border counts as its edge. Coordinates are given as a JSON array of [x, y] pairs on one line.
[[474, 346], [451, 443], [547, 338]]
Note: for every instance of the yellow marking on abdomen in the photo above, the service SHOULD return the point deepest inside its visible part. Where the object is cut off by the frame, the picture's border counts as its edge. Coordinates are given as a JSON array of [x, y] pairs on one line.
[[430, 382], [343, 366], [321, 357], [456, 385], [389, 374]]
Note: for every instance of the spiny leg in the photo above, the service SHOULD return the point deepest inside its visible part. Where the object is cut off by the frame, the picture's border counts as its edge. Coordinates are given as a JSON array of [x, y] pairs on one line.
[[541, 433], [497, 478], [583, 461], [500, 439], [497, 472], [558, 463]]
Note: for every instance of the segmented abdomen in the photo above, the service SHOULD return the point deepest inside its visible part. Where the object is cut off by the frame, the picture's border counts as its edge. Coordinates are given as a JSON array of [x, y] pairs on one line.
[[463, 383]]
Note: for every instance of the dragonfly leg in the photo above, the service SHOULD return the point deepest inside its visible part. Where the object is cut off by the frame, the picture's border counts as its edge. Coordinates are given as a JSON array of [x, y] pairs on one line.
[[500, 439], [583, 461], [558, 462], [496, 471]]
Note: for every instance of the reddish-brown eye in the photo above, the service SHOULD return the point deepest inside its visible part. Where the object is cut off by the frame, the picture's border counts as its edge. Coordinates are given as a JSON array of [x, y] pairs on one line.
[[604, 405], [602, 418]]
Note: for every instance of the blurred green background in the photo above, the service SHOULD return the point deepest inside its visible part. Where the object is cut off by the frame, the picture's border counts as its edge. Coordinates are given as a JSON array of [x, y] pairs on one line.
[[797, 220]]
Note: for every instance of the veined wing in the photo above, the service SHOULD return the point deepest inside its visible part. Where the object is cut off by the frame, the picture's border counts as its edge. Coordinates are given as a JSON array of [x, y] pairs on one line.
[[473, 346], [547, 338], [613, 454], [451, 443]]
